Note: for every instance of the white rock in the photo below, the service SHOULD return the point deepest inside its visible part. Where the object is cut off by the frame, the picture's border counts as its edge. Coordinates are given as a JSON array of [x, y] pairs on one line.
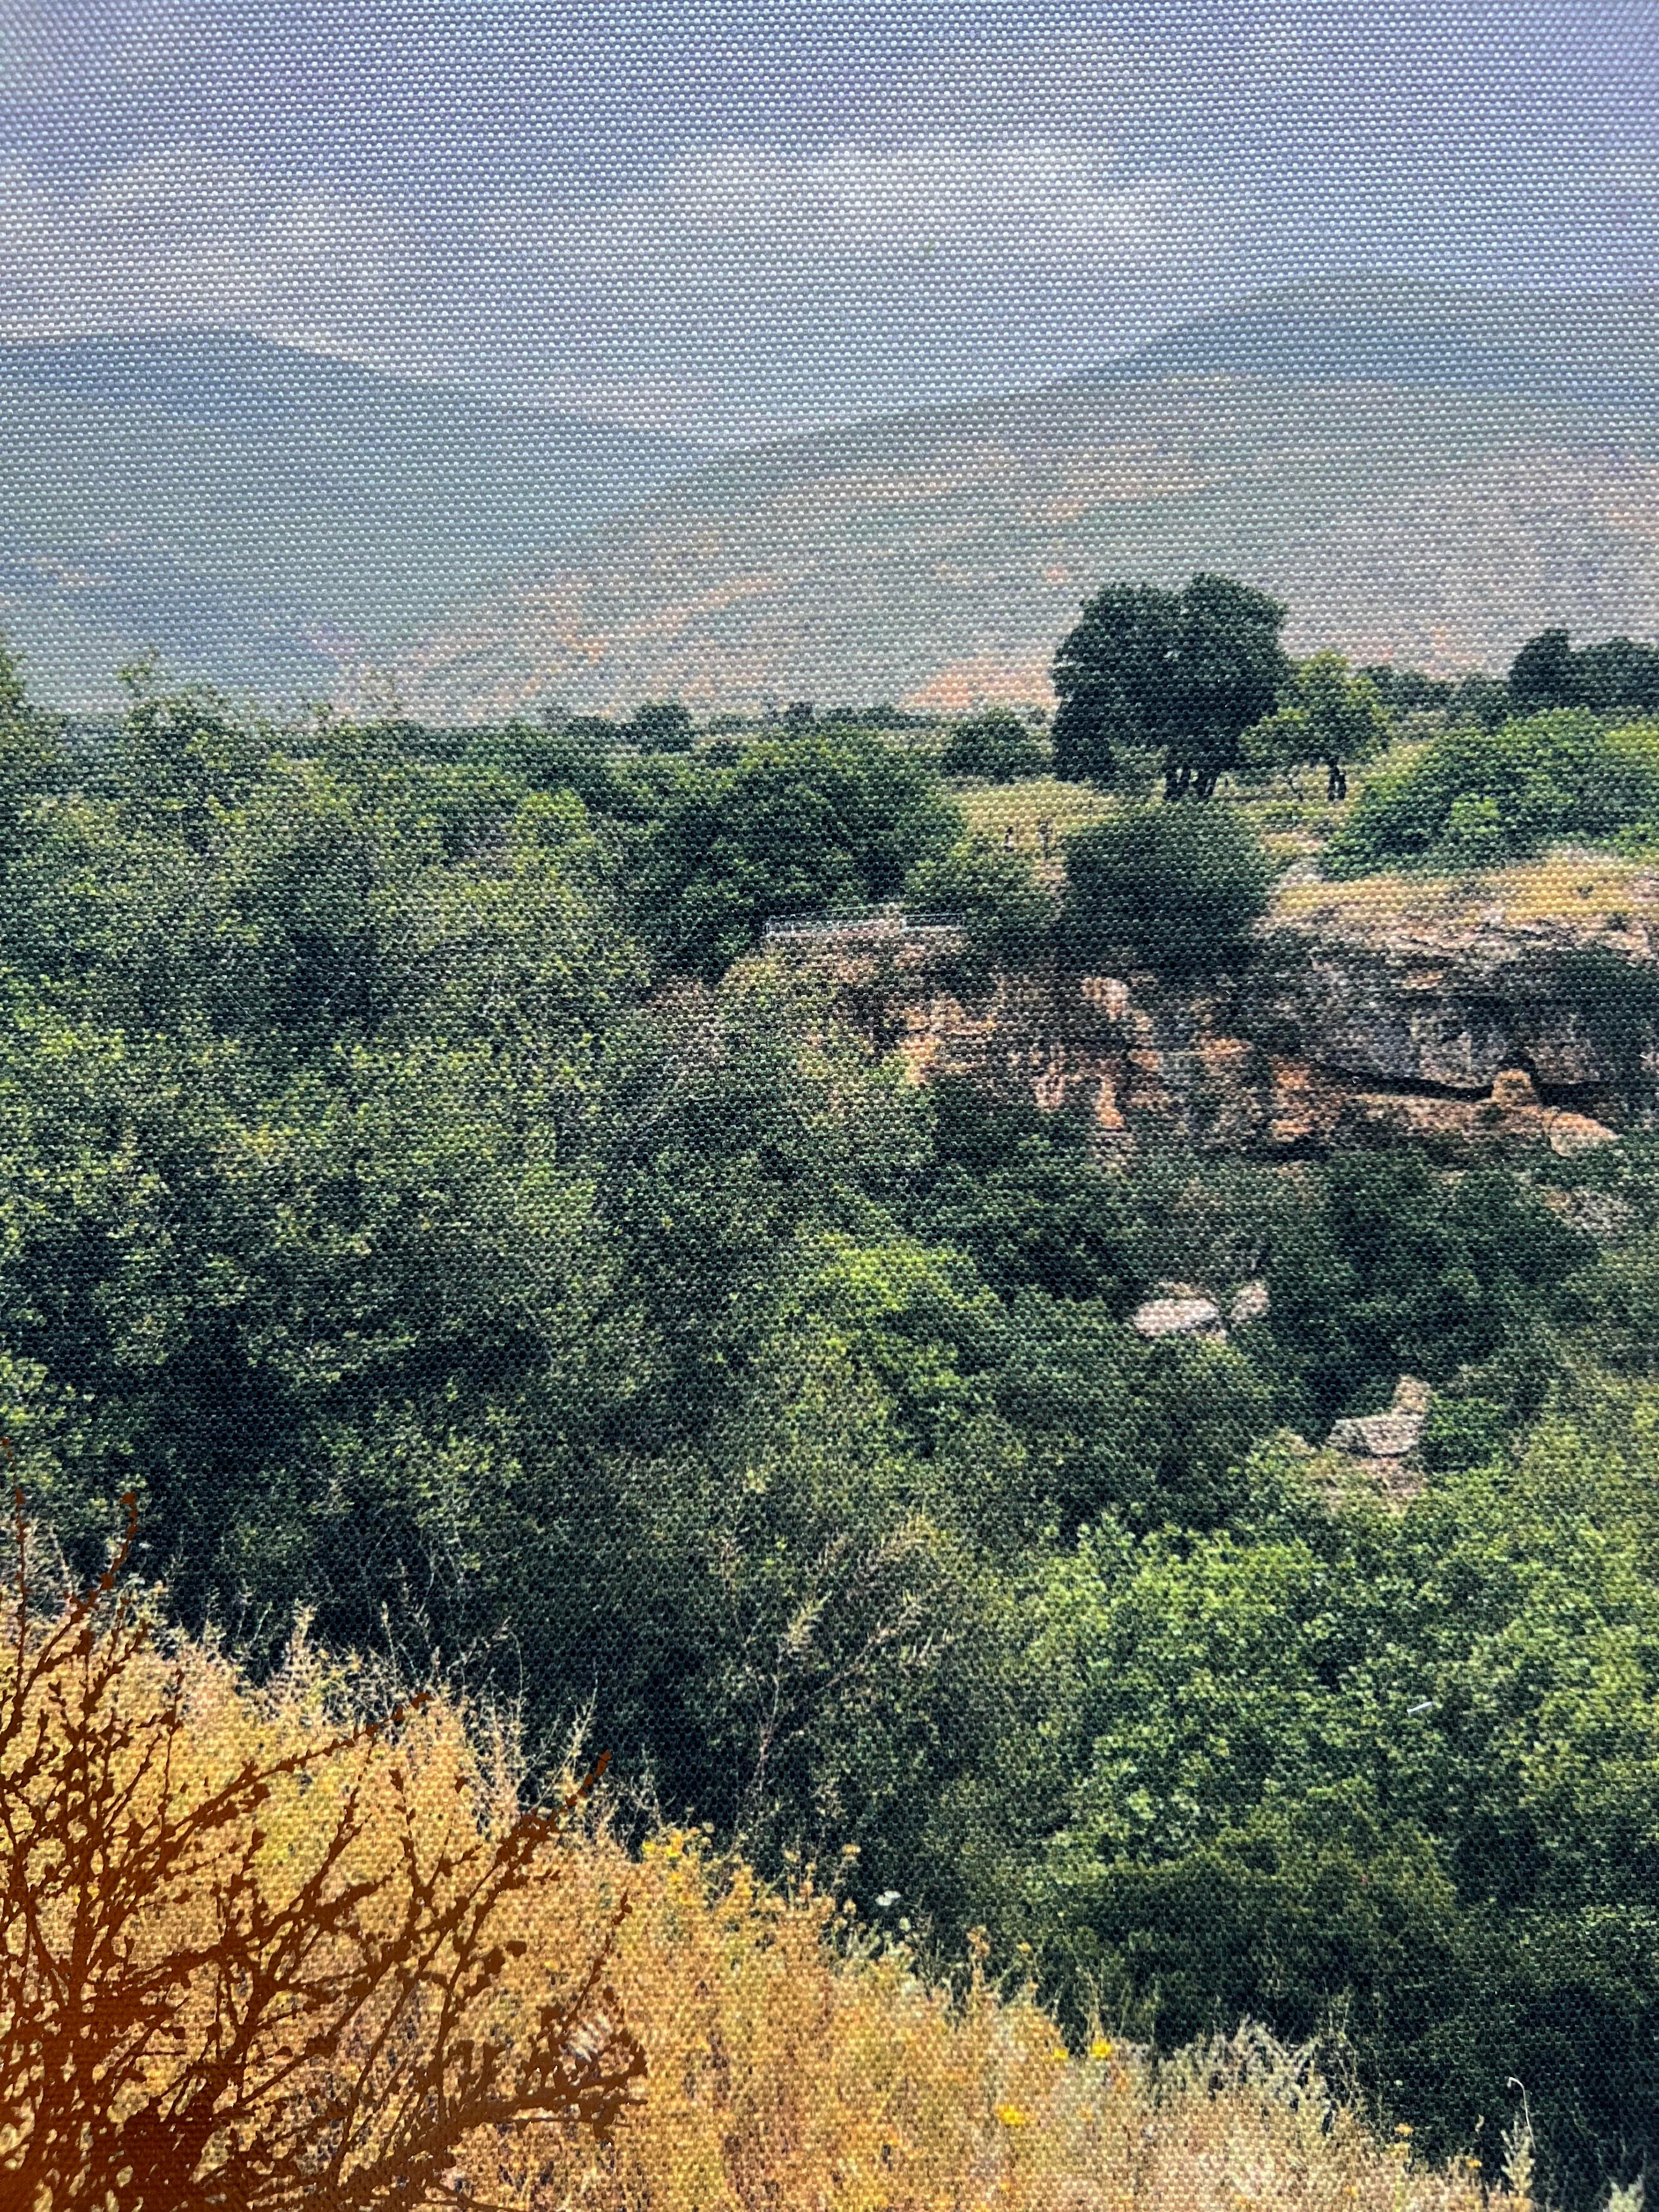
[[1192, 1316], [1379, 1435], [1249, 1302]]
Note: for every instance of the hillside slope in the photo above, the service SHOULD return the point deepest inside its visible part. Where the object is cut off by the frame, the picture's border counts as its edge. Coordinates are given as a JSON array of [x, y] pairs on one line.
[[937, 557], [264, 516], [1419, 472]]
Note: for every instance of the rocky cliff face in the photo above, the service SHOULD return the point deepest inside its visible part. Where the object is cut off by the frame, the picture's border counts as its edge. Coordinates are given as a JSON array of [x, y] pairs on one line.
[[1483, 1035]]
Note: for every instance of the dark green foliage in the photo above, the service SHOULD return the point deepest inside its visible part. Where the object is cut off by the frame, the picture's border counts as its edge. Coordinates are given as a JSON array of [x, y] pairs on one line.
[[1323, 1901], [1148, 1435], [1615, 1305], [1383, 1269], [1616, 1001], [1464, 1432], [1008, 913], [33, 760], [1407, 691], [995, 747], [595, 730], [874, 718], [661, 726], [1615, 678], [427, 1259], [1619, 678], [798, 826], [1477, 798], [1480, 700], [581, 756], [1541, 674], [1395, 1769], [1183, 674], [1326, 718], [1017, 1189], [1168, 884]]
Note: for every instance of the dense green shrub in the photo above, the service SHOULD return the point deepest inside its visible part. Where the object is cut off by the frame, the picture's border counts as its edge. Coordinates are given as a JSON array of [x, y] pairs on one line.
[[1177, 886], [1017, 1189], [1383, 1268], [800, 826], [995, 747], [1396, 1769], [1477, 798], [1007, 911]]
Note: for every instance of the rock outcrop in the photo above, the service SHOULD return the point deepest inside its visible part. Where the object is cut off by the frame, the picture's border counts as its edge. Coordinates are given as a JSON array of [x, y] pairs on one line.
[[1180, 1311], [1384, 1445], [1471, 1038]]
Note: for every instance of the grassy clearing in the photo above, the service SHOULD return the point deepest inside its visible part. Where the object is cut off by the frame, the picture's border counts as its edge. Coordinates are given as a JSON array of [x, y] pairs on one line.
[[992, 809], [1595, 890], [1589, 890], [1277, 812]]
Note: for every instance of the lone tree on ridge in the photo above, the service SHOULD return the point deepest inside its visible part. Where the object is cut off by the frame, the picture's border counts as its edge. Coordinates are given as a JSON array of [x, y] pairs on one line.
[[1183, 674]]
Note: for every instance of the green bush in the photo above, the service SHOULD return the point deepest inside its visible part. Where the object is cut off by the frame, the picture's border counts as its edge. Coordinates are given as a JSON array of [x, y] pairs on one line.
[[1463, 1432], [800, 825], [1007, 910], [1176, 886], [1477, 797], [995, 747]]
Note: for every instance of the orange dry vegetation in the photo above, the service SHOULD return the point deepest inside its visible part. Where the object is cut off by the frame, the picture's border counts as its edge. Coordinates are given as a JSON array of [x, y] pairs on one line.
[[794, 2067], [253, 1957], [791, 2059]]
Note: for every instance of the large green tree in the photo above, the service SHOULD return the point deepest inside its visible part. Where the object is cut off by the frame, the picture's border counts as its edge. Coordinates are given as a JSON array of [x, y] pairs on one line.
[[995, 747], [1182, 673], [1326, 718]]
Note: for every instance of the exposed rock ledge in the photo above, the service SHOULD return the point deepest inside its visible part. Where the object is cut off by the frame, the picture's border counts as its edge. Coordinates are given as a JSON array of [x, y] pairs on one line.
[[1467, 1038]]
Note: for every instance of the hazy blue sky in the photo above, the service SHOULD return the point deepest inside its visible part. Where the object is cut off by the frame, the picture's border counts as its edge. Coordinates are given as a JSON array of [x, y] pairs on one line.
[[735, 219]]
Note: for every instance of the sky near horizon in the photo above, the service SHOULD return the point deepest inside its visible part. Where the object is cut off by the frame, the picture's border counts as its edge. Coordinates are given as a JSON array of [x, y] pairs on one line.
[[735, 220]]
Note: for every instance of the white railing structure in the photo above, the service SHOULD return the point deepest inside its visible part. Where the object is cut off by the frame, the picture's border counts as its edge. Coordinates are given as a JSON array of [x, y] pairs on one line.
[[869, 922]]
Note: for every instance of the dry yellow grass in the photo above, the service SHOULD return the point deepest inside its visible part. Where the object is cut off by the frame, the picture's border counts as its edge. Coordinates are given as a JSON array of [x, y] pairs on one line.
[[250, 1956], [790, 2070], [1585, 888], [794, 2061]]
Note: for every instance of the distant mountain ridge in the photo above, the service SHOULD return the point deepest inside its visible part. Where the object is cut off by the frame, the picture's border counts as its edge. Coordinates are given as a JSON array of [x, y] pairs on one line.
[[266, 516], [1421, 473], [1597, 351]]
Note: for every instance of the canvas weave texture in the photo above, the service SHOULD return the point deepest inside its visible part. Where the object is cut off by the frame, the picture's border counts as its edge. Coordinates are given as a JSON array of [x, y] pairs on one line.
[[829, 1105]]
